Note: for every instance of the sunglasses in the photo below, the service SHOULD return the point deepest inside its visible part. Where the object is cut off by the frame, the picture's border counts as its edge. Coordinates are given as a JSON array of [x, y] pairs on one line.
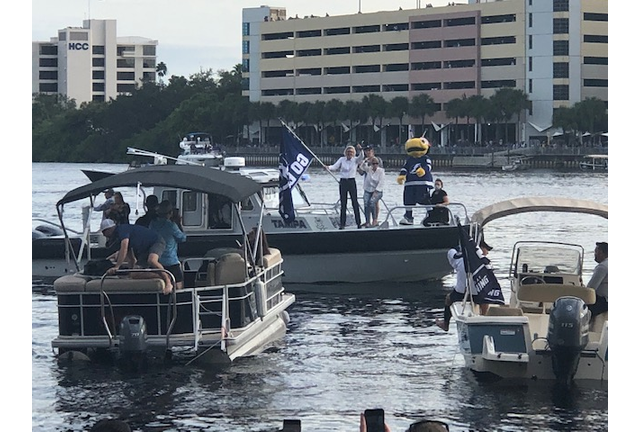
[[375, 163], [435, 424]]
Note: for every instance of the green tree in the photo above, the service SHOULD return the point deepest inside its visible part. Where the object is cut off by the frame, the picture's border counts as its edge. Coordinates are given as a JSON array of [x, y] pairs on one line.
[[398, 107], [422, 106]]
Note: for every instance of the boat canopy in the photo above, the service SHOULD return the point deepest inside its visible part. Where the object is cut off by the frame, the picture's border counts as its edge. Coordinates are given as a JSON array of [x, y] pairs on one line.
[[538, 204], [195, 178]]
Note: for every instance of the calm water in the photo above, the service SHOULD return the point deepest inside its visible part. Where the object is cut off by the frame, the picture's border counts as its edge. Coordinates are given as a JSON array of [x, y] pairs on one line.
[[363, 348]]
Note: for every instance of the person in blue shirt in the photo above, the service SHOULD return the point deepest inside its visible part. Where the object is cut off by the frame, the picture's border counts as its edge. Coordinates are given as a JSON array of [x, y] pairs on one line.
[[138, 245], [172, 235]]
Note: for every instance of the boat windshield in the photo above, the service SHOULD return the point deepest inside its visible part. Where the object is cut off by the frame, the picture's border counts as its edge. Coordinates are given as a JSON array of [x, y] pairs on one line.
[[549, 258]]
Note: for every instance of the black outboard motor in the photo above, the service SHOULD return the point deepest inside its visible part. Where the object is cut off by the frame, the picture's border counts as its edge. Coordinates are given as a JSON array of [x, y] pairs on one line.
[[568, 334], [132, 341]]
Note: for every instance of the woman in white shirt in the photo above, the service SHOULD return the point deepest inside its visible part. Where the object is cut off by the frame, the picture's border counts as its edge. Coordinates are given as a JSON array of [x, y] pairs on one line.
[[373, 188], [347, 167]]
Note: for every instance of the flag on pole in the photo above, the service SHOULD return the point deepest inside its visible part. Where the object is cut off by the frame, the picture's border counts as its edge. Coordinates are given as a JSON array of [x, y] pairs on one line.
[[479, 268], [295, 158]]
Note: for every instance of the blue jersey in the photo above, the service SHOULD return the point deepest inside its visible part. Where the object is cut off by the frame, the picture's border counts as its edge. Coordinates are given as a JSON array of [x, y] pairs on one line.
[[410, 168]]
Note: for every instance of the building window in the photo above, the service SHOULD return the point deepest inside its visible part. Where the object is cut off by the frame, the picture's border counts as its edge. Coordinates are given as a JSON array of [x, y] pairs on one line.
[[97, 49], [309, 33], [596, 60], [245, 65], [500, 40], [62, 36], [367, 29], [48, 49], [456, 22], [498, 83], [278, 92], [277, 54], [457, 85], [366, 49], [148, 63], [277, 73], [560, 25], [246, 28], [337, 70], [459, 43], [502, 61], [426, 24], [530, 20], [125, 49], [396, 27], [366, 89], [496, 19], [148, 76], [126, 76], [366, 69], [337, 31], [97, 87], [596, 83], [395, 87], [48, 87], [596, 39], [530, 64], [426, 86], [456, 64], [127, 63], [396, 67], [309, 52], [98, 62], [148, 50], [596, 17], [561, 92], [48, 62], [336, 90], [561, 5], [97, 98], [338, 50], [530, 41], [245, 47], [309, 72], [560, 47], [78, 36], [530, 85], [396, 47], [277, 36], [126, 88], [561, 70], [426, 65], [245, 84], [97, 74], [426, 45], [309, 91], [48, 75]]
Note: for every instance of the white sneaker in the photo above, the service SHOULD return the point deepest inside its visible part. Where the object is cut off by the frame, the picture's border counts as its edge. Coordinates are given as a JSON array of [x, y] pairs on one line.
[[405, 221]]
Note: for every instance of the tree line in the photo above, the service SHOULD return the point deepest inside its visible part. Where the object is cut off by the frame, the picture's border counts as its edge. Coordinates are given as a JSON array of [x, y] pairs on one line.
[[158, 114]]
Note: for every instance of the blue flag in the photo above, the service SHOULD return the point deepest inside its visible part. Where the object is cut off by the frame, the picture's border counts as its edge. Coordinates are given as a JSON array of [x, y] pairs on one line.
[[479, 267], [295, 158]]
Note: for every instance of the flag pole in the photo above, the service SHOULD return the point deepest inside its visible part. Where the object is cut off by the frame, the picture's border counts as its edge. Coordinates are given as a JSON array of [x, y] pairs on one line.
[[309, 150]]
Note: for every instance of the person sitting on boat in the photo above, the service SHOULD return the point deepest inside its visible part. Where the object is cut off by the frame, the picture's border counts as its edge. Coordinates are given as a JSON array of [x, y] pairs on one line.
[[600, 279], [373, 190], [138, 245], [347, 165], [106, 205], [416, 177], [151, 205], [172, 235], [439, 214], [119, 210]]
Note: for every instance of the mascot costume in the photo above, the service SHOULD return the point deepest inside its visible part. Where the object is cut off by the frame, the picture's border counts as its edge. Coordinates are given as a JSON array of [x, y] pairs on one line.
[[416, 176]]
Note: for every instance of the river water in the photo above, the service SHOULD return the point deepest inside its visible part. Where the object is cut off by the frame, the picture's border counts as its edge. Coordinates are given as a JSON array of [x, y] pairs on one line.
[[347, 351]]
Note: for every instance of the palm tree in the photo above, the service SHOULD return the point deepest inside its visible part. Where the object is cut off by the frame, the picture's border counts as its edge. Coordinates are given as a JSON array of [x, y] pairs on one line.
[[161, 70], [376, 107], [478, 105], [422, 106], [455, 110], [398, 107]]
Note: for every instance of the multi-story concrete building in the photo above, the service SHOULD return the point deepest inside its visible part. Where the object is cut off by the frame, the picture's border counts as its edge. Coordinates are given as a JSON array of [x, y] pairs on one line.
[[91, 63], [554, 50]]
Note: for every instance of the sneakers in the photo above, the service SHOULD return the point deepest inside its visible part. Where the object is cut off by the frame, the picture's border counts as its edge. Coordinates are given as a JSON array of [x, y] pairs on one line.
[[406, 221], [444, 326]]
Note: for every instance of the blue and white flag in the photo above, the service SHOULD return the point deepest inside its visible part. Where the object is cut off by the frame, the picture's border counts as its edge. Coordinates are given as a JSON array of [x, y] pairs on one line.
[[295, 158], [479, 267]]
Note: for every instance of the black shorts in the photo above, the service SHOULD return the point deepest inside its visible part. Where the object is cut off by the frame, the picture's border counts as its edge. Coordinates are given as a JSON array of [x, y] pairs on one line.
[[176, 271]]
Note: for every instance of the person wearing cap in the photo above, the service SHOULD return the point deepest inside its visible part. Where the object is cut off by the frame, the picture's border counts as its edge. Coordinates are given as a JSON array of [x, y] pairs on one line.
[[138, 245], [151, 205], [600, 279], [106, 205], [454, 256], [172, 235]]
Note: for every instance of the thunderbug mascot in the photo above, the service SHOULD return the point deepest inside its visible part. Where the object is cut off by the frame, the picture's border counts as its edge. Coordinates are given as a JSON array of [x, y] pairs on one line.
[[416, 176]]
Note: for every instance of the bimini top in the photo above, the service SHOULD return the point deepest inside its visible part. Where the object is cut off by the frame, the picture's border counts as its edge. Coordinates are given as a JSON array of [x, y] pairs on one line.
[[236, 187], [538, 204]]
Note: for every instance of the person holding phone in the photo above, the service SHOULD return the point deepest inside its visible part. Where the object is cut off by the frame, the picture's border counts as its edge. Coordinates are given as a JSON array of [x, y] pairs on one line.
[[373, 421]]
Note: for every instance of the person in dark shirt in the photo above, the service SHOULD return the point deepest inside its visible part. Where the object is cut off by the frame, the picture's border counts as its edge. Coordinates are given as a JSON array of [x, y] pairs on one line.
[[151, 205], [119, 210], [439, 214]]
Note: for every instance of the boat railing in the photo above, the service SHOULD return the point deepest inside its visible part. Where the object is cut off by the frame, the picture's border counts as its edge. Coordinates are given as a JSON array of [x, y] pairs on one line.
[[456, 211]]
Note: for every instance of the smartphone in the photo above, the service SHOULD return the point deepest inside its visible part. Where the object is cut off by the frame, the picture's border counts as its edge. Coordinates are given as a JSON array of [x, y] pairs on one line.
[[291, 426], [374, 419]]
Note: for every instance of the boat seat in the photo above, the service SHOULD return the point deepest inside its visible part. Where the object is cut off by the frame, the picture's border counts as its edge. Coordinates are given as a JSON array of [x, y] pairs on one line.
[[598, 322], [229, 269], [272, 258], [503, 311], [71, 283], [114, 284], [548, 293]]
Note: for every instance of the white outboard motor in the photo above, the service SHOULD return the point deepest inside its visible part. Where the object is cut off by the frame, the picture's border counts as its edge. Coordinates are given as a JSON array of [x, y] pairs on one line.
[[568, 334]]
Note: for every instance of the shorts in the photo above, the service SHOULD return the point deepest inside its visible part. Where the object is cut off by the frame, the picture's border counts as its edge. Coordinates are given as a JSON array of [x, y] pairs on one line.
[[156, 248], [176, 271]]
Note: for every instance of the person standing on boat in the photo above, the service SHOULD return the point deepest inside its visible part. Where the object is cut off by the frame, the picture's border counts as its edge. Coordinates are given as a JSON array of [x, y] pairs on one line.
[[369, 154], [119, 210], [138, 245], [600, 279], [347, 166], [106, 205], [151, 204], [172, 235], [373, 189]]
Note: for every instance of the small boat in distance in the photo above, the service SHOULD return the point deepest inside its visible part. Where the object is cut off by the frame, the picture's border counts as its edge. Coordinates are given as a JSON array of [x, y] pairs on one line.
[[516, 165], [546, 332], [596, 162], [199, 148]]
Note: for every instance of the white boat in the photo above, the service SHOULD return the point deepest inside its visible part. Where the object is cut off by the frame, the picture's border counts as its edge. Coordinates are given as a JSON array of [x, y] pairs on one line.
[[233, 303], [545, 332], [515, 165], [596, 162], [199, 148]]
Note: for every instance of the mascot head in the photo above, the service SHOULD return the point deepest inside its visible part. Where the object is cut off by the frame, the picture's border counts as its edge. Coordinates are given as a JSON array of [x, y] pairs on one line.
[[417, 147]]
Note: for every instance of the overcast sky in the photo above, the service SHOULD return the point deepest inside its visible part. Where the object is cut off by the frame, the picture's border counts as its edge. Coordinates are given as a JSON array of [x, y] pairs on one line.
[[192, 35]]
